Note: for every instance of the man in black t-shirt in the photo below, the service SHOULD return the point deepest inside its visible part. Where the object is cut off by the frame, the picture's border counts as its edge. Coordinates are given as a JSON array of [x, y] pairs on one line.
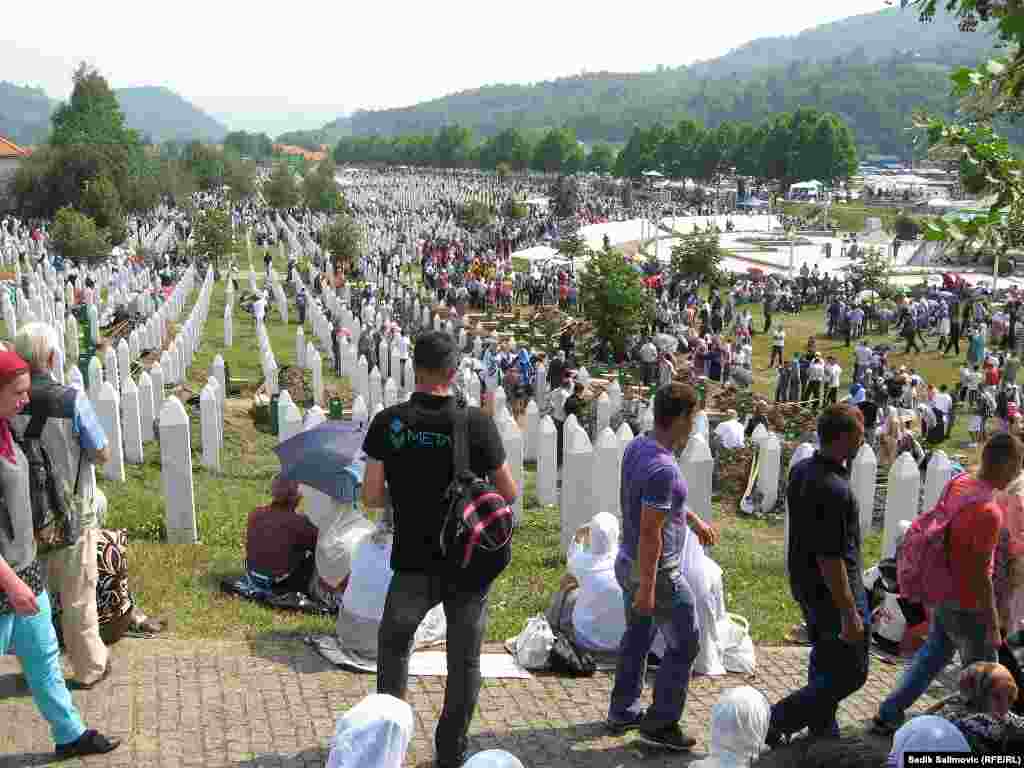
[[825, 567], [410, 446]]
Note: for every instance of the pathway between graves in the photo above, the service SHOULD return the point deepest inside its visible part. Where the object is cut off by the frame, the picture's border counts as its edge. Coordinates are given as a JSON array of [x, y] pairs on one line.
[[273, 704]]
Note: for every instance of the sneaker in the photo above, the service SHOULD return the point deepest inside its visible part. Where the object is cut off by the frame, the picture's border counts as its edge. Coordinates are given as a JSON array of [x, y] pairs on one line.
[[621, 726], [668, 737], [880, 727]]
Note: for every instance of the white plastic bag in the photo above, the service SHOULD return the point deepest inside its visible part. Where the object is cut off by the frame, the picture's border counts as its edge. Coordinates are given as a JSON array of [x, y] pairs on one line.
[[736, 645], [335, 547], [705, 579], [889, 622], [533, 646]]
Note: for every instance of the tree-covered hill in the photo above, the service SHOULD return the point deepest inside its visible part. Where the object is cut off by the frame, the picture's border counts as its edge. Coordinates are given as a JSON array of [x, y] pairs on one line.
[[871, 70], [155, 112]]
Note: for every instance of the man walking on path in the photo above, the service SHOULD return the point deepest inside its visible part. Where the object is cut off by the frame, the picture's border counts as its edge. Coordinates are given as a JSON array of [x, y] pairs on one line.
[[410, 446], [970, 621], [825, 578], [650, 571]]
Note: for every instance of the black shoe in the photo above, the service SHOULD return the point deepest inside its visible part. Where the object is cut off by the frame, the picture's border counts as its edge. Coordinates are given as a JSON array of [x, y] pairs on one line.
[[89, 743], [450, 762], [880, 727], [77, 686], [622, 726], [668, 737]]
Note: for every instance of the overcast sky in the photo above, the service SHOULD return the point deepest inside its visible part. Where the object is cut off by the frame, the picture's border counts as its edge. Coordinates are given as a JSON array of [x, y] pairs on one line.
[[299, 65]]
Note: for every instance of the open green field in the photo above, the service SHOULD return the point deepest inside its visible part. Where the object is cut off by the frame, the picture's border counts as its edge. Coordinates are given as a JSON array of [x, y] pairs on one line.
[[181, 583], [847, 217]]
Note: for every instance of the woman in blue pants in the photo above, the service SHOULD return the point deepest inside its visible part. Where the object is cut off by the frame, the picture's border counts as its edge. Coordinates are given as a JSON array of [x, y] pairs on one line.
[[25, 619]]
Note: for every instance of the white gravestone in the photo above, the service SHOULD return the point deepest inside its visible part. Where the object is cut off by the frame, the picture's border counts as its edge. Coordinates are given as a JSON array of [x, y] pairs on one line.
[[208, 428], [131, 413], [901, 500], [577, 475], [605, 483], [697, 465], [547, 462], [512, 439], [108, 411], [863, 477], [176, 473]]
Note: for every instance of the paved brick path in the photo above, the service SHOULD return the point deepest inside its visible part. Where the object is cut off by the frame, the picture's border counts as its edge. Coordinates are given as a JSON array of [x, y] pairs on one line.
[[179, 704]]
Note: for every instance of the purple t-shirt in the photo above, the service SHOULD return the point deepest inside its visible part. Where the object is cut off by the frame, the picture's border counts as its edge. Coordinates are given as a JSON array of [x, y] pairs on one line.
[[651, 477]]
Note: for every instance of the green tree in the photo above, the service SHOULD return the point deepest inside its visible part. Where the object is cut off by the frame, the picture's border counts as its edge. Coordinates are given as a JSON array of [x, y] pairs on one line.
[[280, 190], [92, 115], [101, 202], [320, 189], [452, 146], [698, 256], [215, 238], [475, 215], [239, 176], [601, 158], [614, 298], [557, 152], [76, 237], [254, 146], [344, 240]]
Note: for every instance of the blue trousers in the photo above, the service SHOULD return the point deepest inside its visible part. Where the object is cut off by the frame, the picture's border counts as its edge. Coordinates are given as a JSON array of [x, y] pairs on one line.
[[676, 616], [35, 643], [952, 628], [835, 670]]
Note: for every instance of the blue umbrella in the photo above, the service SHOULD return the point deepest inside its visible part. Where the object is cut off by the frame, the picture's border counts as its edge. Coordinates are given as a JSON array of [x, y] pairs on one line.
[[328, 457]]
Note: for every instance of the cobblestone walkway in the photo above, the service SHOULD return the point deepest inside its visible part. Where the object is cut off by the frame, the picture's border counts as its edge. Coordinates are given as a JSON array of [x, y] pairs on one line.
[[179, 704]]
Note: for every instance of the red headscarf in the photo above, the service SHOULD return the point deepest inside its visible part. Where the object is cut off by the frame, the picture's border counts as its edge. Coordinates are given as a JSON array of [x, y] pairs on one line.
[[11, 364]]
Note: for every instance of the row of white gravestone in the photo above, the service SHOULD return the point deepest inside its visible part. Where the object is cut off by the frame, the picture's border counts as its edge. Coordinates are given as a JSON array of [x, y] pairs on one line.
[[125, 411]]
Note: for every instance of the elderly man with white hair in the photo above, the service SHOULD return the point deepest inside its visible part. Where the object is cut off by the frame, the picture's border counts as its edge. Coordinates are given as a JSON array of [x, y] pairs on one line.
[[72, 572]]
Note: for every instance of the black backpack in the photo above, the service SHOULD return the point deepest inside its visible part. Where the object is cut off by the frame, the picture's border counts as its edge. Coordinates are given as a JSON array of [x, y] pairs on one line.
[[476, 535]]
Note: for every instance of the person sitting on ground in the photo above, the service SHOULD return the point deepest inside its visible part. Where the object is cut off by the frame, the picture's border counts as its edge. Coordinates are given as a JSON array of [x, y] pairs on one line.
[[739, 724], [588, 607], [926, 733], [375, 733], [280, 542], [982, 713], [730, 431]]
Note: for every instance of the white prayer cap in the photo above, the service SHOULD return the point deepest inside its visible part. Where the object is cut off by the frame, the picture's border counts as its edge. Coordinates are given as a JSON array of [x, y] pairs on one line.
[[493, 758], [376, 732], [926, 733]]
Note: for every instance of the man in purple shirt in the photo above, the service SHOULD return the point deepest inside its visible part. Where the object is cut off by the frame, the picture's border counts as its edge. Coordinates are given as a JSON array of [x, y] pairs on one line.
[[655, 524]]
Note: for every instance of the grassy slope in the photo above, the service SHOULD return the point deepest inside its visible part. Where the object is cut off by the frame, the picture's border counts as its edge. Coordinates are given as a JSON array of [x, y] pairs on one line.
[[181, 582]]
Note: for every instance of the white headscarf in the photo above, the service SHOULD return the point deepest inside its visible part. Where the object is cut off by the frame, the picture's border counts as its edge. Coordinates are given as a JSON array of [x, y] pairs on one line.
[[599, 617], [375, 732], [739, 725], [493, 758], [926, 733]]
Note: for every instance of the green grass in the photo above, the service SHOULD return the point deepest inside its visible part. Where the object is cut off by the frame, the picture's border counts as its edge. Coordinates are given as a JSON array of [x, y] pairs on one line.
[[847, 217], [182, 582]]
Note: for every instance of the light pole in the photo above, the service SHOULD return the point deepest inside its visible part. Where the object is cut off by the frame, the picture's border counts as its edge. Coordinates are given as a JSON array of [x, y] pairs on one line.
[[792, 256]]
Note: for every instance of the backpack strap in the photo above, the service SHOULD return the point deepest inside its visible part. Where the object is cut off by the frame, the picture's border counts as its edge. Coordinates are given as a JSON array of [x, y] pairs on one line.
[[34, 429], [460, 440]]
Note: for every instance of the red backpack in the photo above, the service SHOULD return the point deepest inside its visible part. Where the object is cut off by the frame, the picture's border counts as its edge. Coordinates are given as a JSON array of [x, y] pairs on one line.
[[924, 571]]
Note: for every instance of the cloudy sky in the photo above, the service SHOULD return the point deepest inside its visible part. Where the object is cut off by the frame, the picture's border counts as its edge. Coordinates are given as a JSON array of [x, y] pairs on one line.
[[299, 65]]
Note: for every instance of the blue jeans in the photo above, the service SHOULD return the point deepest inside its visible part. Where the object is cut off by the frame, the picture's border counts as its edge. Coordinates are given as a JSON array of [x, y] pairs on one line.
[[676, 616], [834, 671], [411, 595], [952, 628], [35, 643]]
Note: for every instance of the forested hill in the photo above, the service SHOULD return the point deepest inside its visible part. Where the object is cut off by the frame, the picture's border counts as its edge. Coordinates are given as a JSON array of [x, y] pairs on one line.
[[155, 112], [24, 113], [871, 70], [163, 115]]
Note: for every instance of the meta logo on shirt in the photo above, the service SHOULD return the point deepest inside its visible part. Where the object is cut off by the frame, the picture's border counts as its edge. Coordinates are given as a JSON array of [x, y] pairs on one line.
[[401, 436]]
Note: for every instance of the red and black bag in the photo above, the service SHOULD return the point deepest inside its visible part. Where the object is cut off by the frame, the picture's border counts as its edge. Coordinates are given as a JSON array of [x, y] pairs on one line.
[[476, 536]]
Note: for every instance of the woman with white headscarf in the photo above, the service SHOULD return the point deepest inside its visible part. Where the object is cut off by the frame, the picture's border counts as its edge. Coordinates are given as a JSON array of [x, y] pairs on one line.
[[927, 733], [739, 725], [599, 616], [375, 732]]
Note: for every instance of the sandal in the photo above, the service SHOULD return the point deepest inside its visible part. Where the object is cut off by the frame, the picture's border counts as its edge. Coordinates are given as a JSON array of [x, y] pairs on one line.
[[91, 742]]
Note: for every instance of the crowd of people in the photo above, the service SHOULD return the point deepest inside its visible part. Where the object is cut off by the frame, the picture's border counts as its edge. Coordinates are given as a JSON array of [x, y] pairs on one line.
[[411, 219]]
